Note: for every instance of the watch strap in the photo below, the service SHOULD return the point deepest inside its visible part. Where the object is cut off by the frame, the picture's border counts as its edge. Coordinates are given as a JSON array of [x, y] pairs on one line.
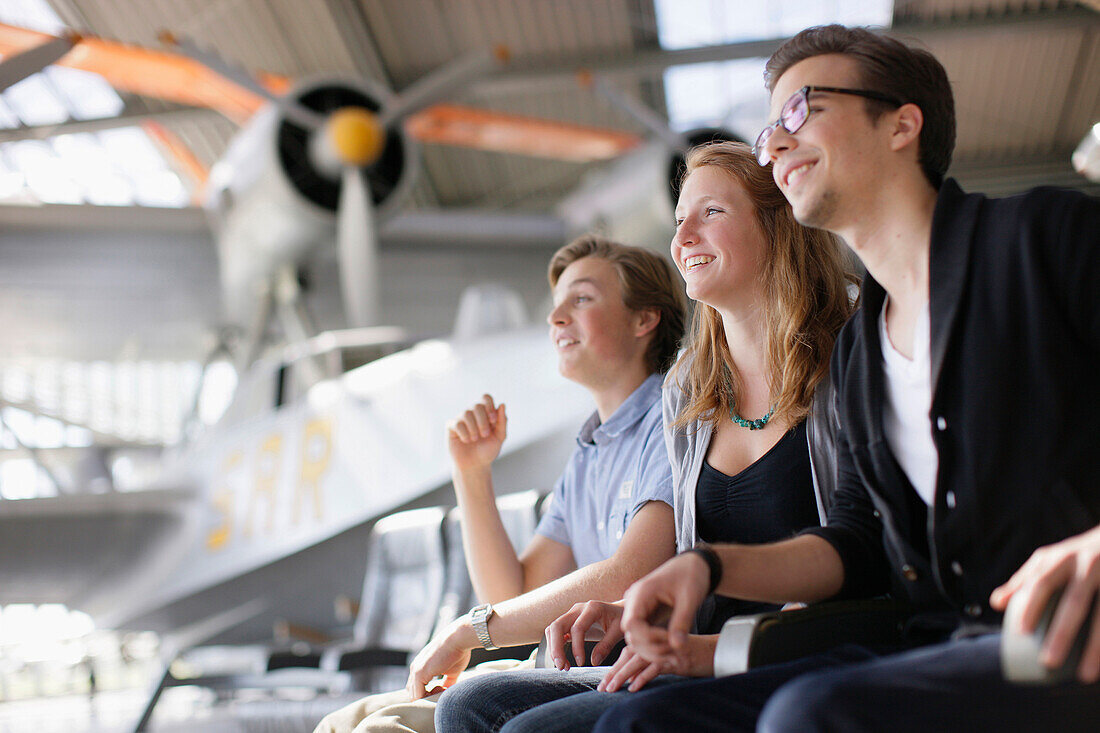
[[479, 619], [714, 564]]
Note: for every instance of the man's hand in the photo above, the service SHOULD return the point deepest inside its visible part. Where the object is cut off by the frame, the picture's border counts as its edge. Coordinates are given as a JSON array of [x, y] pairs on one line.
[[1073, 563], [474, 437], [574, 625], [447, 654], [632, 668], [672, 593]]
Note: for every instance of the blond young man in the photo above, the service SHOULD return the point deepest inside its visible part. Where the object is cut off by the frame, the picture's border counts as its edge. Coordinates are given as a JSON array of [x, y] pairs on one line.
[[616, 323]]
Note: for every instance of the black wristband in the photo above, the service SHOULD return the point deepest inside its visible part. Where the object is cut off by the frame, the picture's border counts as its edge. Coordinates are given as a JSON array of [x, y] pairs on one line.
[[714, 563]]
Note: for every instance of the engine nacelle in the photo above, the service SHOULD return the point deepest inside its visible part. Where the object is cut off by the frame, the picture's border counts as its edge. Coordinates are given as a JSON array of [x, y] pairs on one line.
[[272, 207]]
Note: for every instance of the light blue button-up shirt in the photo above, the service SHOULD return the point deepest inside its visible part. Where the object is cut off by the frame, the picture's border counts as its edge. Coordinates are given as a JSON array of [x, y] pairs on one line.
[[616, 468]]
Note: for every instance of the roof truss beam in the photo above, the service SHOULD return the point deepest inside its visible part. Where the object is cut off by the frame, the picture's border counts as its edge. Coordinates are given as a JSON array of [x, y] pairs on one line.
[[523, 74]]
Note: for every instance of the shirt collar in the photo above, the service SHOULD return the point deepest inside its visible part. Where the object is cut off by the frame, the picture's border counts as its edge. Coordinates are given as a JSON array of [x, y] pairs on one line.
[[626, 416]]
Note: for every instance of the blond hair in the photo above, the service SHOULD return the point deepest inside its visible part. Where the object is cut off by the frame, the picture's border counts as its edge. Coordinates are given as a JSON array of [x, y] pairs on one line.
[[805, 276]]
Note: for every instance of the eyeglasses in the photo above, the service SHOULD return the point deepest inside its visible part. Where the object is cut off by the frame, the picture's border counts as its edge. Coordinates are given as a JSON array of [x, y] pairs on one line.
[[797, 109]]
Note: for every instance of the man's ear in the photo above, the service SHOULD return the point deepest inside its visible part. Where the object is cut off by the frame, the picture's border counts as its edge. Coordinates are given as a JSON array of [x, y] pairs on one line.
[[647, 320], [908, 122]]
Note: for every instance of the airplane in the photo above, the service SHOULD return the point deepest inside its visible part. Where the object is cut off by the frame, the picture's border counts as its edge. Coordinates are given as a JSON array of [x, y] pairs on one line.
[[310, 451]]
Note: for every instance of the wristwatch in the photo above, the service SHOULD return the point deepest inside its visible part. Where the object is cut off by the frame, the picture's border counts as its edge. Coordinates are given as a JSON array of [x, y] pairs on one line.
[[479, 619]]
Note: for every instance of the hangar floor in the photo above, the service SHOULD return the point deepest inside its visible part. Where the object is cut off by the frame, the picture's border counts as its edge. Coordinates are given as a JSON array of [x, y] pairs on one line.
[[180, 710]]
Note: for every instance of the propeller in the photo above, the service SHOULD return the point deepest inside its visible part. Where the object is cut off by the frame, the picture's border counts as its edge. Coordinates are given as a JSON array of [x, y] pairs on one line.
[[343, 144], [301, 115], [15, 69], [655, 123], [677, 143]]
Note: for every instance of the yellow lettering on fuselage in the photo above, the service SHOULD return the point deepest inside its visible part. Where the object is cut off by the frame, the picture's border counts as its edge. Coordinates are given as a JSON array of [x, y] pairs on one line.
[[222, 503], [271, 487], [316, 453], [264, 487]]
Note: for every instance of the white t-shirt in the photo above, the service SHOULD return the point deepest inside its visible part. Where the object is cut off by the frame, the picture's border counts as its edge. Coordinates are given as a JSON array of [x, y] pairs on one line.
[[906, 413]]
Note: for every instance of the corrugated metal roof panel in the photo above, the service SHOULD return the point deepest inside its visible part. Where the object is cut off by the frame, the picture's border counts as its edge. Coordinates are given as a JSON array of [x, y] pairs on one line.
[[1009, 92], [929, 9]]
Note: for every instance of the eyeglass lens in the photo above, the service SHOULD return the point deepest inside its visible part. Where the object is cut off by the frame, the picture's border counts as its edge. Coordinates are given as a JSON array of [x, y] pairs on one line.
[[794, 113]]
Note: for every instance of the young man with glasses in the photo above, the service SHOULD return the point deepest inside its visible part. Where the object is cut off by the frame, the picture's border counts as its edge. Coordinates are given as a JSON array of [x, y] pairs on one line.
[[969, 456]]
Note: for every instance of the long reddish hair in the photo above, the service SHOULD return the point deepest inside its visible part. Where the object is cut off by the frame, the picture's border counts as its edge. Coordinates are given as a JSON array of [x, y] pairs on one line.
[[806, 276]]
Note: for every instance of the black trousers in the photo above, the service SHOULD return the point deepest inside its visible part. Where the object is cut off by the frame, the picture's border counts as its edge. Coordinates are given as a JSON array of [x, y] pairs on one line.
[[952, 686]]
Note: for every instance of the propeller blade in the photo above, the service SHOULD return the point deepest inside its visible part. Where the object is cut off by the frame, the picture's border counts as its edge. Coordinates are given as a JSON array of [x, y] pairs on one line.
[[442, 83], [298, 114], [15, 69], [357, 249], [655, 123]]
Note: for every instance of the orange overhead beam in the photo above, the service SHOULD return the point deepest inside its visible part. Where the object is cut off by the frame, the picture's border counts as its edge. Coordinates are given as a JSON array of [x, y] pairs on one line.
[[184, 158], [159, 74], [451, 124], [176, 78]]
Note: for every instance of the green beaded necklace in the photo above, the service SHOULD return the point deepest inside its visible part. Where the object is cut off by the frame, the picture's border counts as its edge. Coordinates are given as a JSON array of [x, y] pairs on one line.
[[751, 424]]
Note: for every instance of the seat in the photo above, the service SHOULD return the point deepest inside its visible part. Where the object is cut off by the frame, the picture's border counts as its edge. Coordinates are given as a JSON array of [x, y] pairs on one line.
[[519, 513], [402, 592], [759, 639], [399, 606]]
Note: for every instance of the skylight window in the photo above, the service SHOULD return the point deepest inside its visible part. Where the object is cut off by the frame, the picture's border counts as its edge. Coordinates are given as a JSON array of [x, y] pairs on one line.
[[91, 168], [111, 168], [116, 168], [8, 119], [89, 96], [11, 182], [34, 102], [45, 175], [34, 14], [731, 93]]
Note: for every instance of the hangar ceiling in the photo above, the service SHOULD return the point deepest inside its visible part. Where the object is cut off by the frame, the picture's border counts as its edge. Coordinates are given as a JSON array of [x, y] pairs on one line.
[[81, 283]]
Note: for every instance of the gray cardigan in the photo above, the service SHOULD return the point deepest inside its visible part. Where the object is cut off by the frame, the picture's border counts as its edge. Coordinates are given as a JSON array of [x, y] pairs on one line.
[[688, 445]]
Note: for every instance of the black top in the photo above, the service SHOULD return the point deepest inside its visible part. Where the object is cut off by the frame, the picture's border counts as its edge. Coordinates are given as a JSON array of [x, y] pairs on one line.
[[1015, 320], [770, 500]]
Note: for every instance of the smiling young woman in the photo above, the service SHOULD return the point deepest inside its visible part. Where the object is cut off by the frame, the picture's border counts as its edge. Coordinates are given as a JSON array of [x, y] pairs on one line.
[[800, 283], [748, 428]]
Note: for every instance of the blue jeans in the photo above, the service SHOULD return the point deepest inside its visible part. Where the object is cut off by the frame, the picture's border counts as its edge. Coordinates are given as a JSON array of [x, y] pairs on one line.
[[953, 686], [535, 700]]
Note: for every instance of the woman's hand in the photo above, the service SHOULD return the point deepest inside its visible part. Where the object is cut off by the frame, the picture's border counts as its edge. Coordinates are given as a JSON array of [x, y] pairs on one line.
[[699, 662], [574, 625], [474, 438]]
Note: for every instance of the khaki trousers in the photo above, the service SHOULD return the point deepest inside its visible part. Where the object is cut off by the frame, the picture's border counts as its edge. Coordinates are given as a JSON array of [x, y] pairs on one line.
[[394, 712]]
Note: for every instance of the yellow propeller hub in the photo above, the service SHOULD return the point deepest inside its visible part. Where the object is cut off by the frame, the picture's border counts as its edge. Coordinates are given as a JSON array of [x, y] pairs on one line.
[[356, 136]]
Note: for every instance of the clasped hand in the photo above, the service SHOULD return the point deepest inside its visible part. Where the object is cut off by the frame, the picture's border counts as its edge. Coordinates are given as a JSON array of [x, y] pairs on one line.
[[659, 609], [695, 658], [475, 437]]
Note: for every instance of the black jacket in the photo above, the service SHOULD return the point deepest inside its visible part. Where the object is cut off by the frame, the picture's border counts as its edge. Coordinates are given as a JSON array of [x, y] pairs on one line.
[[1015, 322]]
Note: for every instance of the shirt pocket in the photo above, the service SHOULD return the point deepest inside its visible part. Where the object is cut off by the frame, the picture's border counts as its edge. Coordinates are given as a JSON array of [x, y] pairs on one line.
[[619, 518]]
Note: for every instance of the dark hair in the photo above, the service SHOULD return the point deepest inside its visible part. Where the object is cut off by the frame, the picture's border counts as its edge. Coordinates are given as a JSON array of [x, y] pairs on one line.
[[888, 66], [646, 281]]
